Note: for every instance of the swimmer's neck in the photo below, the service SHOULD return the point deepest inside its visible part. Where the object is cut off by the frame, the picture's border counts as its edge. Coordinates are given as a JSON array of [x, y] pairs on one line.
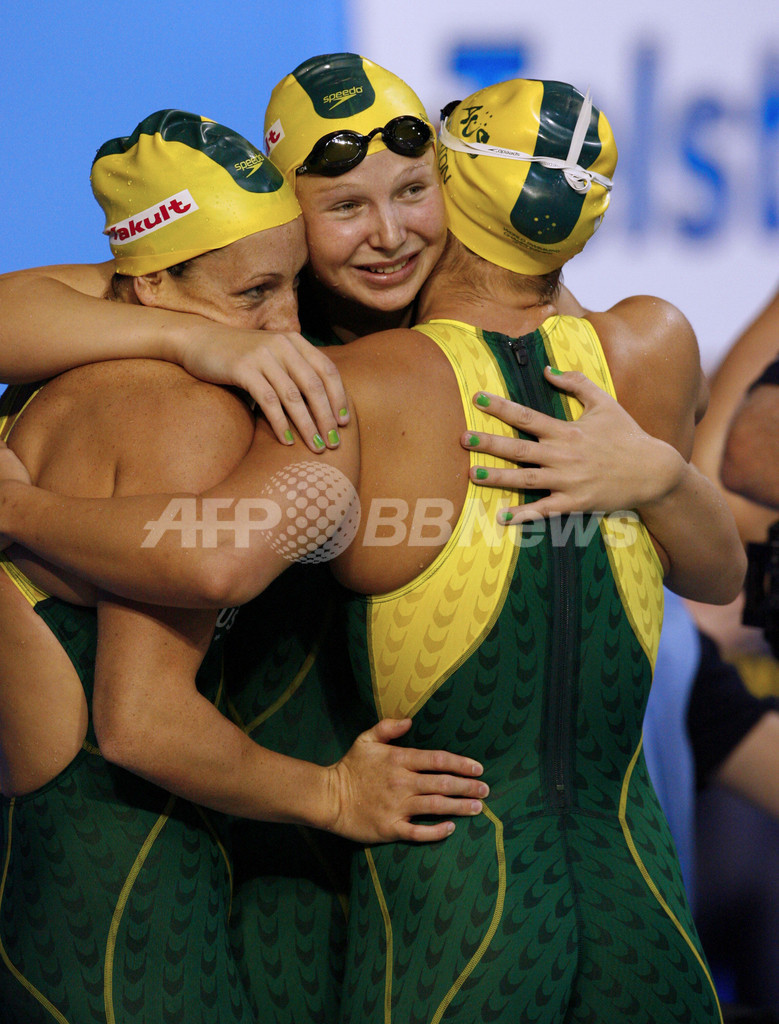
[[498, 308]]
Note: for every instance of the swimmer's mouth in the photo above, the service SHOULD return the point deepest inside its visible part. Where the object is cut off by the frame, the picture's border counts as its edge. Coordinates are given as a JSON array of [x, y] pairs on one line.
[[389, 268]]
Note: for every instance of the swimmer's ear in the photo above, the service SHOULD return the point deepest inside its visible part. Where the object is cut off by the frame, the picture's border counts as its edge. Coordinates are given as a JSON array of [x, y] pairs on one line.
[[149, 287]]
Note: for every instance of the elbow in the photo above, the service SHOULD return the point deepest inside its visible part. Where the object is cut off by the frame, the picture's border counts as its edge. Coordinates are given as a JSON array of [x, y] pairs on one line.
[[226, 580], [727, 584], [733, 580], [219, 578], [123, 739]]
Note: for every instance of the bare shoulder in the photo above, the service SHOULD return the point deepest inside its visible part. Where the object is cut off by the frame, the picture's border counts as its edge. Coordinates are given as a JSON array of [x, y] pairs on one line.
[[401, 362], [89, 278], [654, 359], [134, 425]]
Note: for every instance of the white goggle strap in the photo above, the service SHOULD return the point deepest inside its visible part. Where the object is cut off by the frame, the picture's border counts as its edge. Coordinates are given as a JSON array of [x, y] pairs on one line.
[[579, 178]]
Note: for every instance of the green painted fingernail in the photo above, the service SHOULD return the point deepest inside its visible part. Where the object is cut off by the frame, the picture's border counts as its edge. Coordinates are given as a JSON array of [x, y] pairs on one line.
[[288, 436], [473, 440], [507, 517], [344, 412], [333, 437], [483, 401], [555, 371], [481, 474], [318, 442]]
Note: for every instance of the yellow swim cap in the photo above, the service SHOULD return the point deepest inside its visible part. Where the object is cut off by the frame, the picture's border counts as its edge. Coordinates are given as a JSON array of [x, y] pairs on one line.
[[182, 185], [526, 169], [328, 93]]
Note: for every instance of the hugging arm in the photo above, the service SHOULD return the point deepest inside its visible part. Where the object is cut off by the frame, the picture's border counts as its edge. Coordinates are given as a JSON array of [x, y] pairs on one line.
[[150, 719], [57, 318], [183, 548]]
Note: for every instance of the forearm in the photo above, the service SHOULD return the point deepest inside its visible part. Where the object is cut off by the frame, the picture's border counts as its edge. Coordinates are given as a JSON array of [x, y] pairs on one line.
[[694, 527], [126, 545], [49, 327], [750, 461], [213, 763], [151, 719]]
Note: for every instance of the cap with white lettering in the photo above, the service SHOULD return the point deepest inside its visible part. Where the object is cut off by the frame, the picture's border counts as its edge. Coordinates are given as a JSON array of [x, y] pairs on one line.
[[182, 185], [326, 94], [526, 170]]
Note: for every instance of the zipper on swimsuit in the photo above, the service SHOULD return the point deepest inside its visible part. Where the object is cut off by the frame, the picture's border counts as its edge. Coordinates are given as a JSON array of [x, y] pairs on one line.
[[561, 674]]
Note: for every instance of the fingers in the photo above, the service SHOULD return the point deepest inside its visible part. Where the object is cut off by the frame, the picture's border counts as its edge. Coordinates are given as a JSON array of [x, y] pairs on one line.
[[512, 449], [442, 806], [533, 512], [528, 420], [388, 729], [440, 761], [323, 378], [281, 400], [528, 478], [451, 786], [413, 833], [435, 805], [294, 382], [576, 384]]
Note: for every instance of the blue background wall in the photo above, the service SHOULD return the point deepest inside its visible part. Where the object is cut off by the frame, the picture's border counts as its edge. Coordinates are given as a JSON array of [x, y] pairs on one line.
[[75, 73]]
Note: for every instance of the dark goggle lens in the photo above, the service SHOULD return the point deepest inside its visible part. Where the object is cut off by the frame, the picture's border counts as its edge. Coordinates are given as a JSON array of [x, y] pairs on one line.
[[407, 136], [339, 152], [335, 154]]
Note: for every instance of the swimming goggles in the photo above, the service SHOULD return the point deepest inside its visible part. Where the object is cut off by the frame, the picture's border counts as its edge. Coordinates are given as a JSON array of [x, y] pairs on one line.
[[579, 178], [340, 151]]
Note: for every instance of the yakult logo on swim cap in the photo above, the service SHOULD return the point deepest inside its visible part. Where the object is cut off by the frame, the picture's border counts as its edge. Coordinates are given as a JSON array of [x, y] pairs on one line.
[[155, 217], [273, 136]]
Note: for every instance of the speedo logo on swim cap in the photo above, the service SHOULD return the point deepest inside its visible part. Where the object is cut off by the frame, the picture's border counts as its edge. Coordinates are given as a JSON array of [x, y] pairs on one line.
[[337, 98], [156, 217], [252, 165], [336, 84]]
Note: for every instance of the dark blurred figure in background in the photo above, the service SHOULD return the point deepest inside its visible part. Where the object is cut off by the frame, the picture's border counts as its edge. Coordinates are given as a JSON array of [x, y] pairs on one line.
[[737, 842]]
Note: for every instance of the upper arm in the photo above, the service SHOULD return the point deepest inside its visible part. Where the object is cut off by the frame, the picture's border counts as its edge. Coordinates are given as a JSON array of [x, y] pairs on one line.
[[277, 506], [126, 428], [88, 278], [145, 672], [751, 453], [654, 360]]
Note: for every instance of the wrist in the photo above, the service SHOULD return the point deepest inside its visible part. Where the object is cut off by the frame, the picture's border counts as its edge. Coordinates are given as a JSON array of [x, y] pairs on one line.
[[179, 334], [666, 471], [307, 795]]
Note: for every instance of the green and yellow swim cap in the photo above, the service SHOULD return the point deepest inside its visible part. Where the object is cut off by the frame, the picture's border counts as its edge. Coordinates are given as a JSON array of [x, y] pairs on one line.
[[526, 171], [182, 185], [328, 93]]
